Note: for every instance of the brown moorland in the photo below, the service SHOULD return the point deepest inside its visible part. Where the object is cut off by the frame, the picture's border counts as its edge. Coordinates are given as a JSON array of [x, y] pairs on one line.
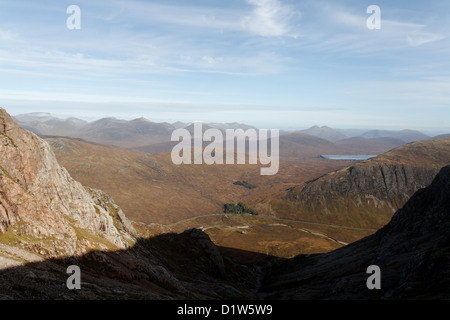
[[368, 193], [151, 189]]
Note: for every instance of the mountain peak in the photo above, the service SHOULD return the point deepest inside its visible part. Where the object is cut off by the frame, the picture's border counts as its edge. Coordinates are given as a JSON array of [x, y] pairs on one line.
[[6, 121], [325, 132], [35, 117], [141, 119]]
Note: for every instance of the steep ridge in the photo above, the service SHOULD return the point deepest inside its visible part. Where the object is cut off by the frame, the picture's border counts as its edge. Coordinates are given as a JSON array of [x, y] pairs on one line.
[[412, 252], [368, 193]]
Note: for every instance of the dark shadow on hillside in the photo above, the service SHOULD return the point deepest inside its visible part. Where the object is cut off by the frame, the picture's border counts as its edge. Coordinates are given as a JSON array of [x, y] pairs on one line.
[[168, 266], [247, 257], [412, 253]]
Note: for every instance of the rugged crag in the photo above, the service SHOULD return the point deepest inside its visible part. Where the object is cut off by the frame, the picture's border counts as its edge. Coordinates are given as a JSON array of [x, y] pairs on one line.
[[42, 207], [412, 251], [368, 193], [49, 221]]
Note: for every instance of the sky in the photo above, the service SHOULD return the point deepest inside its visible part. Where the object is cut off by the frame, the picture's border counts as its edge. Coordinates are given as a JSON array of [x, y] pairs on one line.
[[281, 64]]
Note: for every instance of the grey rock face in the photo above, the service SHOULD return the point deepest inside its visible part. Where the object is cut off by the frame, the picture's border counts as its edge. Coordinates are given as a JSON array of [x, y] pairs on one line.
[[368, 193]]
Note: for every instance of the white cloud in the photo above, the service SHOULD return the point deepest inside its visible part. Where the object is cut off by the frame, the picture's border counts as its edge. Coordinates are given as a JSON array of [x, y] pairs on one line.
[[343, 30], [347, 19], [211, 61], [270, 18], [7, 35], [410, 34], [416, 39]]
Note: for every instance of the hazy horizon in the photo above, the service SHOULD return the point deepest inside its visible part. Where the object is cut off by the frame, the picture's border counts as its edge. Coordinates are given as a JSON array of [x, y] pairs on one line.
[[89, 120]]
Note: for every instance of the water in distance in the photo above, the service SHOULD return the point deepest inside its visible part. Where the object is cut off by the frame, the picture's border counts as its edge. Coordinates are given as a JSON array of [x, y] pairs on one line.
[[347, 157]]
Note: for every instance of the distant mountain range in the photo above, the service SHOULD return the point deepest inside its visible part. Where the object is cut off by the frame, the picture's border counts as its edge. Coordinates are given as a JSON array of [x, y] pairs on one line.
[[135, 133], [405, 135], [155, 137], [326, 133], [341, 134]]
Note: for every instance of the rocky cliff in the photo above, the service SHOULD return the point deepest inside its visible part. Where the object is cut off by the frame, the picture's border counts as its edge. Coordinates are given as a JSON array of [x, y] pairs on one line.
[[368, 193], [43, 209], [412, 252], [49, 221]]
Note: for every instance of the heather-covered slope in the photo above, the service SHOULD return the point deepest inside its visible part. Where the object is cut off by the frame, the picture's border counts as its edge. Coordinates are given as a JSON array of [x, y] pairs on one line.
[[168, 193], [368, 193]]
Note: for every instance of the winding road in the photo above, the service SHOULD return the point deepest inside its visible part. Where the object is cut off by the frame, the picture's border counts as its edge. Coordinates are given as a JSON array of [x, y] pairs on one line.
[[226, 215]]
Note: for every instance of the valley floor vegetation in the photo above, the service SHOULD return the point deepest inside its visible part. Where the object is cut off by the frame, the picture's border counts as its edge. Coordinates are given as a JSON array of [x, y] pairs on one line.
[[239, 208]]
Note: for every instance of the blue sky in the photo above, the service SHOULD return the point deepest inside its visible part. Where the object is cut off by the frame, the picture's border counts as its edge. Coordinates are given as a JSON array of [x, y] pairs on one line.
[[272, 63]]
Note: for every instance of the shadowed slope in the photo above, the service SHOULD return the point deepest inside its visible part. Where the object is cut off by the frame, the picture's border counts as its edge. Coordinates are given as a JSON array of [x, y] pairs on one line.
[[167, 266], [412, 251]]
